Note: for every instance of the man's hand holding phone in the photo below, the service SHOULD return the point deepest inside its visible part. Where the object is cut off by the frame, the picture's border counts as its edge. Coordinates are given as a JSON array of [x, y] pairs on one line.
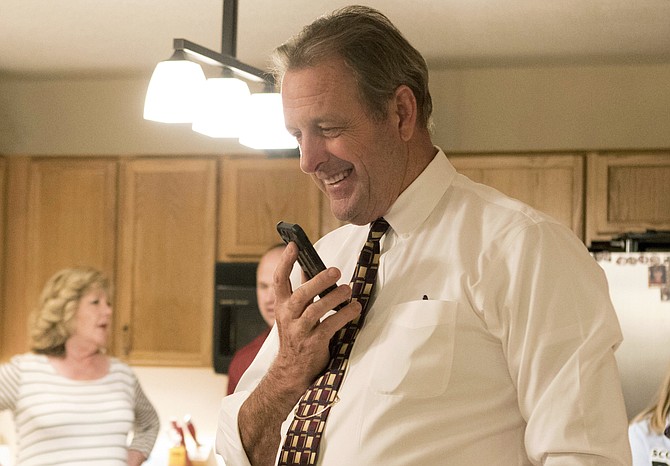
[[304, 330], [309, 260], [304, 335]]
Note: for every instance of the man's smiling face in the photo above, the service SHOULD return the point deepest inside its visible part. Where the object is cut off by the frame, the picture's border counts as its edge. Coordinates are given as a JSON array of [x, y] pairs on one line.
[[358, 161]]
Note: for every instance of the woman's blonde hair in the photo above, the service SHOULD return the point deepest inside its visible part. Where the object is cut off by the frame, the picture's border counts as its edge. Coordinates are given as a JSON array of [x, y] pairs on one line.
[[657, 411], [51, 323]]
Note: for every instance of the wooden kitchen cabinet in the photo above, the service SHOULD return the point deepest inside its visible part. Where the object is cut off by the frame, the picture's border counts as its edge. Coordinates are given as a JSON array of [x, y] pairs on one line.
[[61, 213], [551, 183], [157, 226], [255, 194], [627, 192], [165, 273], [3, 225]]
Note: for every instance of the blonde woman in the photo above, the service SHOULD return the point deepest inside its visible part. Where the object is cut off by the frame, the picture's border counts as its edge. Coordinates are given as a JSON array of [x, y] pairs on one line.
[[646, 431], [71, 402]]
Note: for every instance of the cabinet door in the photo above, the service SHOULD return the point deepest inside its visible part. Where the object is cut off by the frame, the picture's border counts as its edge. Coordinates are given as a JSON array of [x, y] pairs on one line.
[[166, 264], [627, 192], [255, 195], [550, 183], [62, 214], [2, 240]]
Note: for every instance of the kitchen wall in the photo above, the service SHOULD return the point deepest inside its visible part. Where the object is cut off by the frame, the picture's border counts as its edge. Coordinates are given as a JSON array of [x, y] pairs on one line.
[[552, 108], [479, 109], [176, 392]]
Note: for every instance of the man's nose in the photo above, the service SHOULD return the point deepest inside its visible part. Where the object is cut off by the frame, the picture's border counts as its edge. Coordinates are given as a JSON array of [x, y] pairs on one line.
[[312, 153]]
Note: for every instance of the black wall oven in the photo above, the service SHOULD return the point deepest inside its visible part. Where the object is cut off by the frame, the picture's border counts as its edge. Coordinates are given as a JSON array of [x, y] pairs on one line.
[[237, 320]]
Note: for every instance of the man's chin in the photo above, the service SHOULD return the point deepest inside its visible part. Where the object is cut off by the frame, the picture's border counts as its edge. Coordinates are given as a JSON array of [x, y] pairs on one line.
[[348, 215], [341, 210]]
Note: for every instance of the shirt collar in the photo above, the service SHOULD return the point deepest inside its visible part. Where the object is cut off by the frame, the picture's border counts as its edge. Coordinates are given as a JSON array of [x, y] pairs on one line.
[[420, 198]]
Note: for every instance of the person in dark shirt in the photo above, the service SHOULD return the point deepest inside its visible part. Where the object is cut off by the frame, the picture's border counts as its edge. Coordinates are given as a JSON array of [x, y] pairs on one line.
[[266, 300]]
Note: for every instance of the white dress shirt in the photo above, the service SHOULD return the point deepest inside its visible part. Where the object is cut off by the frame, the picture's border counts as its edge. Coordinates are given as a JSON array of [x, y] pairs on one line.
[[649, 448], [489, 341]]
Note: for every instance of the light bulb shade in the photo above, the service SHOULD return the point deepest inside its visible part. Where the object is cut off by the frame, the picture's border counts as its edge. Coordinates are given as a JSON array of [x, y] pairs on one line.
[[264, 126], [172, 91], [220, 106]]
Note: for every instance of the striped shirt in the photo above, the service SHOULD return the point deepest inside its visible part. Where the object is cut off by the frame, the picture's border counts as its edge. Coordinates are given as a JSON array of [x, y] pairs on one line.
[[75, 422]]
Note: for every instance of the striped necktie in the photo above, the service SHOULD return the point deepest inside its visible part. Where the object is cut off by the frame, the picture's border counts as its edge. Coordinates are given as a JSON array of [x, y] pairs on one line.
[[304, 435]]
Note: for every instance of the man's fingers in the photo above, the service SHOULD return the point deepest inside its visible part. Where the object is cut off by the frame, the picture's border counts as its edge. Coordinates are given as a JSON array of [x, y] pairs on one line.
[[331, 324], [281, 282]]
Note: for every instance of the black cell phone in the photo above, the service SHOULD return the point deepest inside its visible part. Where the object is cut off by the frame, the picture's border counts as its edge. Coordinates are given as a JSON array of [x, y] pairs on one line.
[[308, 258]]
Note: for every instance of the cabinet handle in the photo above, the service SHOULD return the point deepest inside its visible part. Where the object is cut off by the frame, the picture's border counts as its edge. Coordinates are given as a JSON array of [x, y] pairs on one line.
[[127, 341]]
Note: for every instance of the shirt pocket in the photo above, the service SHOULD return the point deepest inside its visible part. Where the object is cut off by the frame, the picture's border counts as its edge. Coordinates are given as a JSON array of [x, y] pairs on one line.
[[415, 351]]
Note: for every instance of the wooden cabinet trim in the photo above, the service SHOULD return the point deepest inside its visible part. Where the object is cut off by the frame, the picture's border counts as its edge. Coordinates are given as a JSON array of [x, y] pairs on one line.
[[601, 170], [246, 225], [483, 168]]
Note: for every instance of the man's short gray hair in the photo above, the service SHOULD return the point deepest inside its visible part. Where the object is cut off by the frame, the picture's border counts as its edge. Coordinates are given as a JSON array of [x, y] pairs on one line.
[[377, 53]]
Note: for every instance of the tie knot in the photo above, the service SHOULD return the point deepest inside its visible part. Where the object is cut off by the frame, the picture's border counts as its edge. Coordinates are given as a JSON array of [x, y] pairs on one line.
[[378, 228]]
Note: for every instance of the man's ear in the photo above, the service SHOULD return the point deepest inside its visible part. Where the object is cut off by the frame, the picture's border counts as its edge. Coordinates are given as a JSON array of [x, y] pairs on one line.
[[406, 111]]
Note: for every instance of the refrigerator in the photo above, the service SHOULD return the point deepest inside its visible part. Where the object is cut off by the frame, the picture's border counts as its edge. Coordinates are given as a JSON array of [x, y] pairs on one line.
[[639, 286]]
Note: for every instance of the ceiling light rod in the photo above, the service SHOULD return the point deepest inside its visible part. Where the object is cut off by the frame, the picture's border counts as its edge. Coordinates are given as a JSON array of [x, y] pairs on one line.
[[210, 56], [229, 28], [228, 48]]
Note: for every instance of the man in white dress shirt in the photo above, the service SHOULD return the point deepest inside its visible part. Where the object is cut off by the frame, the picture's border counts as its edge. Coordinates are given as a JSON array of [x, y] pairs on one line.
[[490, 336]]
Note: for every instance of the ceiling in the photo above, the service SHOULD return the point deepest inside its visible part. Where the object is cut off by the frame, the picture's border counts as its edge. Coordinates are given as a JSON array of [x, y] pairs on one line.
[[118, 37]]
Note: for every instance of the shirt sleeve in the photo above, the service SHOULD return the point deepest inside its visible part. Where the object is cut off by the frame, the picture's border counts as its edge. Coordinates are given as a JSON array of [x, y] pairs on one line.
[[228, 442], [548, 301], [147, 423], [9, 384]]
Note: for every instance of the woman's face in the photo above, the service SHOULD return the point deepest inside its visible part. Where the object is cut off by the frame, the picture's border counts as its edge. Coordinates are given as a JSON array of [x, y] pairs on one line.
[[93, 320]]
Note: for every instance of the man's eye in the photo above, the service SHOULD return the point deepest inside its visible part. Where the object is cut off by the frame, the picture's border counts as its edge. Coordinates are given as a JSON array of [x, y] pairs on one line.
[[331, 132]]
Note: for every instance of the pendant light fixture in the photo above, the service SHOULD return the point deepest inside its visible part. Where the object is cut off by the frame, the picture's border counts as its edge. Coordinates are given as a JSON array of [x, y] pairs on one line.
[[221, 106], [264, 123], [173, 89]]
